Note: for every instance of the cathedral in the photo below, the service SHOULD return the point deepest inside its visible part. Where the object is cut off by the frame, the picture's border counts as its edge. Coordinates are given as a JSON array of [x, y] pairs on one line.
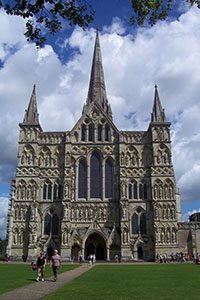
[[95, 189]]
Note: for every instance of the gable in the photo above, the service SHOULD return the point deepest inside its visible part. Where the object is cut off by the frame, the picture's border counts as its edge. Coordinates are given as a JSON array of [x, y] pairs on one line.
[[94, 126]]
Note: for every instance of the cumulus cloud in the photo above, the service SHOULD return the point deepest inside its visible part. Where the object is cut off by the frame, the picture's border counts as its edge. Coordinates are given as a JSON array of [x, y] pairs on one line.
[[189, 213], [167, 55], [3, 216]]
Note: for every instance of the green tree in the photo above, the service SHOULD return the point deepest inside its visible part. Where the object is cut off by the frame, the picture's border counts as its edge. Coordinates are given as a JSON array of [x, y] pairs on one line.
[[148, 12], [47, 16]]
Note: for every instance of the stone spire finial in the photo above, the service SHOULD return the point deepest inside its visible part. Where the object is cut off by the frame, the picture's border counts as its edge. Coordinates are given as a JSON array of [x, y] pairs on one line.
[[97, 89], [31, 116], [158, 113]]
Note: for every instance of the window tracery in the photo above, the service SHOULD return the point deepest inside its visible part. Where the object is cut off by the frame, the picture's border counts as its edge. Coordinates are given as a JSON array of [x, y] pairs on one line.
[[138, 222]]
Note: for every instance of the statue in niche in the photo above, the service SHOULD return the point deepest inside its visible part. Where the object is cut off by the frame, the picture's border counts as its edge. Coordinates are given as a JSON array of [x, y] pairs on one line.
[[160, 192], [67, 190], [66, 236], [123, 190], [66, 212], [155, 191], [21, 236], [67, 159], [162, 236], [23, 192], [23, 213], [168, 236], [122, 159], [125, 236], [15, 236], [28, 134], [127, 160], [171, 192], [159, 158], [173, 237], [156, 212]]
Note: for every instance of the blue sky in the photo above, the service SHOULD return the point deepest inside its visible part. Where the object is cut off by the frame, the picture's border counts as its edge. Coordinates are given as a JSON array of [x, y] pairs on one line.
[[134, 61]]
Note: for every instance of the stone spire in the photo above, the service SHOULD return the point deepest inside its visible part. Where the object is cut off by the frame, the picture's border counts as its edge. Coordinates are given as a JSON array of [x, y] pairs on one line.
[[97, 89], [31, 116], [158, 113]]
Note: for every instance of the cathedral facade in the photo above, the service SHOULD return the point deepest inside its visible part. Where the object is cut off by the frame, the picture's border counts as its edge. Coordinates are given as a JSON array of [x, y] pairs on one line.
[[94, 189]]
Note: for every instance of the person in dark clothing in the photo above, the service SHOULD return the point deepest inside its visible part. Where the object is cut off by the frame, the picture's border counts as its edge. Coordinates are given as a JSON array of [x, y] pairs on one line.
[[41, 262]]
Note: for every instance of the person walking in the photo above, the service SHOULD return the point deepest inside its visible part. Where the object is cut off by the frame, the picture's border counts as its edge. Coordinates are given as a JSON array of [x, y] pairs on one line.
[[41, 262], [55, 263]]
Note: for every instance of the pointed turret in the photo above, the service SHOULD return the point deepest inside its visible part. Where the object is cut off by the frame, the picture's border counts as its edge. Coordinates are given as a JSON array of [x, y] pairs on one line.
[[31, 116], [97, 89], [158, 113]]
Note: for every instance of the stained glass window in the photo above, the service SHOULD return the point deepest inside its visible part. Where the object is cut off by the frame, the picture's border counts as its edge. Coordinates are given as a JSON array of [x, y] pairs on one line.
[[107, 133], [134, 224], [143, 229], [82, 179], [130, 191], [47, 224], [83, 133], [100, 133], [95, 176], [91, 133], [108, 179], [55, 225]]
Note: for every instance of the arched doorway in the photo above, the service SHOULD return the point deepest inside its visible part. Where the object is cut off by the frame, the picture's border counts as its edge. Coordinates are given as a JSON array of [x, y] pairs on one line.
[[140, 253], [95, 244]]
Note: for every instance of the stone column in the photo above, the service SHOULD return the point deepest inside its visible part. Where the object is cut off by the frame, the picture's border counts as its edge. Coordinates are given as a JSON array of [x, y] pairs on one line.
[[88, 180], [103, 179], [83, 253], [108, 254]]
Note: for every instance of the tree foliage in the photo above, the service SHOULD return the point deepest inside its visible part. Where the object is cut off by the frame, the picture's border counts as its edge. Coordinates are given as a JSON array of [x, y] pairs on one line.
[[148, 12], [47, 16]]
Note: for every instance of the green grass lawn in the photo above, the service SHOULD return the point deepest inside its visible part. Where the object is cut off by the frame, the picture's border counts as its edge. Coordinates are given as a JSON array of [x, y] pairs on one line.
[[15, 275], [141, 282]]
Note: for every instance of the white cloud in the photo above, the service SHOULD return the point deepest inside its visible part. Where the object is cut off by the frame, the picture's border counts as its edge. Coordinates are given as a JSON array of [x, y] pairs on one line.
[[189, 213], [167, 54], [3, 216]]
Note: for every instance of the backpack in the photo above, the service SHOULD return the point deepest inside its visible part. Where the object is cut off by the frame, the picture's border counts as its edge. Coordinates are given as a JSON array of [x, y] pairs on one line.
[[33, 266]]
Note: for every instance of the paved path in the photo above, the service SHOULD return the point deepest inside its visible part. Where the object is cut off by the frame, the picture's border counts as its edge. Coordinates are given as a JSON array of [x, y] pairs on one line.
[[40, 289]]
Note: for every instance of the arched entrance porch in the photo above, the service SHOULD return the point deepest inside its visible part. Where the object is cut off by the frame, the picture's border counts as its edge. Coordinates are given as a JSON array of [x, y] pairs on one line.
[[95, 244]]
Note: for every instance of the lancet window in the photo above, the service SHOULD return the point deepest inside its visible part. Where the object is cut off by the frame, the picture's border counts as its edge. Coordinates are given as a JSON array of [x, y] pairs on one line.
[[137, 191], [95, 181], [108, 179], [107, 133], [91, 133], [138, 222], [51, 224], [82, 179], [95, 176]]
